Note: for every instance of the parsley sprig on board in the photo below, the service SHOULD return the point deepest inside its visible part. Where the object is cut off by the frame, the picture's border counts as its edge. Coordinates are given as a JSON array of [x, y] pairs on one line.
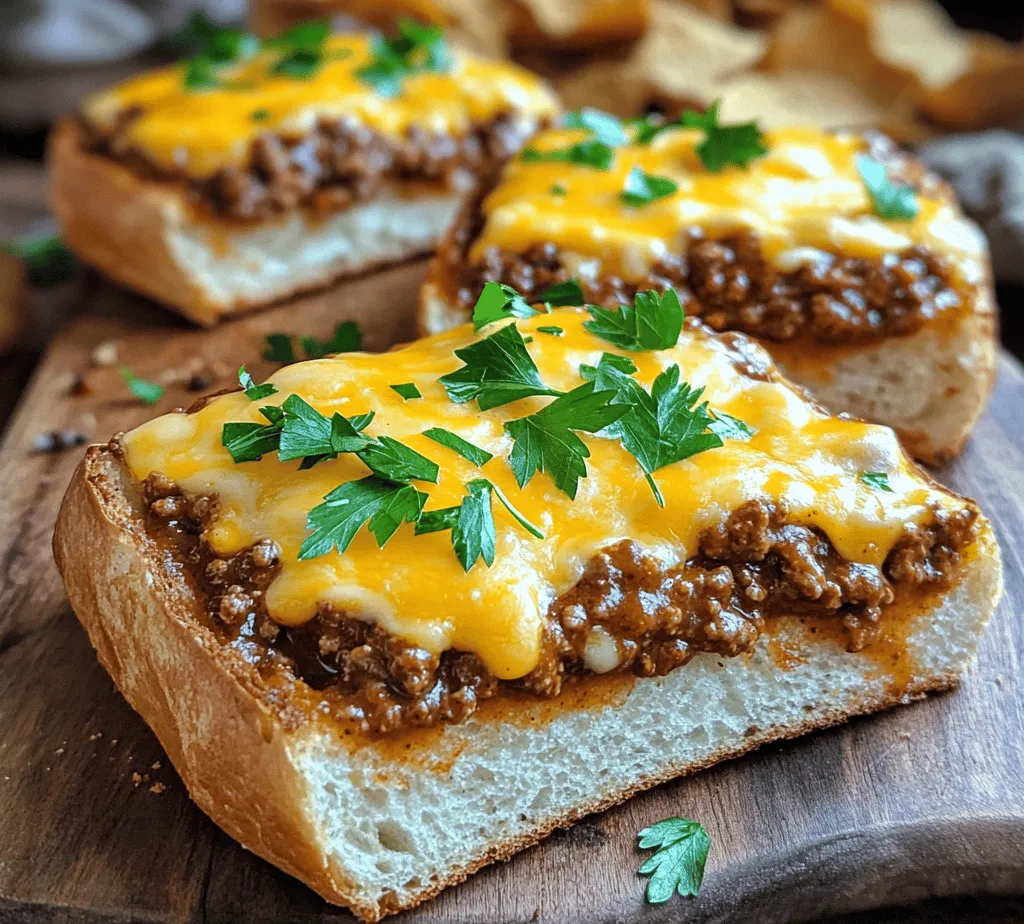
[[418, 49], [280, 348], [678, 863]]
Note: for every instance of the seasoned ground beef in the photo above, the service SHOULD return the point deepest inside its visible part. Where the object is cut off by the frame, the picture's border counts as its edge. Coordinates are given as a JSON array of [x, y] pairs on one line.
[[729, 285], [336, 164], [627, 612]]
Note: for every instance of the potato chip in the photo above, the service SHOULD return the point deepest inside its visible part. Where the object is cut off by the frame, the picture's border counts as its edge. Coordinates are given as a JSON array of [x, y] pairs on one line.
[[578, 24]]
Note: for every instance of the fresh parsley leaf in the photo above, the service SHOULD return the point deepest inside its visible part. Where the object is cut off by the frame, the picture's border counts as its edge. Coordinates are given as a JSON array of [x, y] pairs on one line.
[[472, 523], [877, 480], [302, 49], [557, 189], [47, 259], [603, 126], [678, 863], [249, 442], [473, 533], [498, 302], [730, 428], [653, 322], [259, 115], [309, 435], [418, 49], [595, 154], [643, 188], [497, 370], [457, 444], [253, 391], [552, 329], [724, 145], [891, 201], [346, 339], [397, 462], [279, 348], [146, 392], [569, 292], [201, 36], [407, 390], [660, 427], [382, 504], [545, 441]]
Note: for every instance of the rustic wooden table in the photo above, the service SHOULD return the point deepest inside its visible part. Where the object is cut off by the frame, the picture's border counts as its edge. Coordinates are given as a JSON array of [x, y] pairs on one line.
[[96, 827]]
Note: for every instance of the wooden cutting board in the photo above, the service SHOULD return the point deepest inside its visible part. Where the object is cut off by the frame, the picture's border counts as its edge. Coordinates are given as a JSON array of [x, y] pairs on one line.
[[95, 826]]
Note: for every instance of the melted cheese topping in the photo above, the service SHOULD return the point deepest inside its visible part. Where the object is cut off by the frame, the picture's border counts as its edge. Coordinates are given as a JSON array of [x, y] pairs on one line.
[[415, 586], [804, 197], [202, 132]]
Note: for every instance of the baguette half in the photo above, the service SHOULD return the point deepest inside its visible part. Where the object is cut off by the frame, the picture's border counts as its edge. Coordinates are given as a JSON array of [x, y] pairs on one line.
[[380, 822]]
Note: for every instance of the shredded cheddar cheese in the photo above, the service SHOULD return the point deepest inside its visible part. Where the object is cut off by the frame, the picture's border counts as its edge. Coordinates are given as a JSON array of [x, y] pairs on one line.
[[200, 132], [416, 588], [803, 197]]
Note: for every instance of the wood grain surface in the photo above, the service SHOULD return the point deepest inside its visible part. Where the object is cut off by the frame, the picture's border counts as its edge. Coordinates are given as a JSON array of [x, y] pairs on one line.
[[95, 826]]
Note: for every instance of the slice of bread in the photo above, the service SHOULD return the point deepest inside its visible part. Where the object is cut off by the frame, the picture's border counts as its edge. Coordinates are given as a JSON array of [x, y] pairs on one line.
[[146, 236], [930, 387], [379, 827]]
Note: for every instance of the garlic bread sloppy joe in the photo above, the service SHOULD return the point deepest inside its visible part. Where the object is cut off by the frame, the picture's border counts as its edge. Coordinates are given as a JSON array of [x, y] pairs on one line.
[[258, 169], [517, 545], [843, 256]]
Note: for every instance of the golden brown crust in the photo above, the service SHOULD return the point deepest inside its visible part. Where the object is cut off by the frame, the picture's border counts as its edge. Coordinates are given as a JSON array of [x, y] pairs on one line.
[[122, 224]]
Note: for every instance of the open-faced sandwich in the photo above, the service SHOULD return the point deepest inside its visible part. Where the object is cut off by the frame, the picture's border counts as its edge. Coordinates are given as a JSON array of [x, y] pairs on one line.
[[259, 169], [842, 255], [396, 616]]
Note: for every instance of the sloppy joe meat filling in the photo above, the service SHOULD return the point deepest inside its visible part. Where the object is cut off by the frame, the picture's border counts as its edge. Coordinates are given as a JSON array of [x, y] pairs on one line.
[[338, 163], [628, 612]]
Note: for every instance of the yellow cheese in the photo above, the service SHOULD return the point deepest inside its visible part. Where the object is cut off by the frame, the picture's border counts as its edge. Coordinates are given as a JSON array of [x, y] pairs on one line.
[[805, 195], [415, 586], [202, 132]]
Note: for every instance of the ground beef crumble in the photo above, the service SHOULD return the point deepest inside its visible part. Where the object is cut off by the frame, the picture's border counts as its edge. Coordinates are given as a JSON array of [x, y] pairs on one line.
[[335, 165], [753, 565]]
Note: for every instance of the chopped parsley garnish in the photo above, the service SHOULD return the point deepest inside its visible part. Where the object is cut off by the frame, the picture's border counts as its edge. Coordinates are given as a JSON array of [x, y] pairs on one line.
[[723, 145], [279, 348], [381, 504], [407, 390], [497, 370], [253, 391], [418, 49], [653, 322], [472, 523], [730, 428], [877, 480], [397, 462], [214, 47], [308, 435], [678, 864], [301, 48], [545, 441], [595, 154], [569, 292], [551, 329], [891, 201], [346, 339], [146, 392], [457, 444], [250, 442], [259, 115], [658, 428], [557, 189], [605, 127], [643, 188], [498, 302], [47, 259]]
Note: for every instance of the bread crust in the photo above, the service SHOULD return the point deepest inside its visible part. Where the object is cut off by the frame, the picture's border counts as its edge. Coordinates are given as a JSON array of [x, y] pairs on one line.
[[143, 619], [125, 225]]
